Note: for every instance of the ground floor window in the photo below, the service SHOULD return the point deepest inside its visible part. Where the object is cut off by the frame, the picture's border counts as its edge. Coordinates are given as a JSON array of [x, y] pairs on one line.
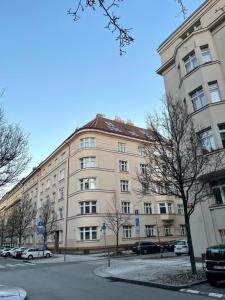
[[127, 231], [167, 230], [218, 188], [150, 230], [88, 233], [182, 229]]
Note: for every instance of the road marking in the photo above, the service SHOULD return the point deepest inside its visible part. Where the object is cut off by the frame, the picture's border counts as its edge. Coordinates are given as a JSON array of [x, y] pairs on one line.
[[23, 265], [216, 295], [9, 265]]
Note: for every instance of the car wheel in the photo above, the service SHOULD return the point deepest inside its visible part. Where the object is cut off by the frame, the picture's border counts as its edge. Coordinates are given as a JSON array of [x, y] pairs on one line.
[[178, 254], [30, 256], [47, 255], [211, 281], [7, 254]]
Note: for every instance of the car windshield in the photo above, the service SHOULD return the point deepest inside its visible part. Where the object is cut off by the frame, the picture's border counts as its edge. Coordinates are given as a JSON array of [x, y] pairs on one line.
[[181, 243], [216, 253]]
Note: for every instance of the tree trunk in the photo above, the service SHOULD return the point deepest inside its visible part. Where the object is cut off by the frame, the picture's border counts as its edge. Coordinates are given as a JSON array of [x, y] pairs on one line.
[[20, 241], [117, 241], [189, 240]]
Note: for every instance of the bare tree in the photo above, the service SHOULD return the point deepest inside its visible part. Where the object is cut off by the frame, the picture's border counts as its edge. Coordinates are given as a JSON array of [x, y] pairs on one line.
[[25, 214], [13, 151], [11, 224], [48, 217], [177, 160], [123, 35], [115, 219]]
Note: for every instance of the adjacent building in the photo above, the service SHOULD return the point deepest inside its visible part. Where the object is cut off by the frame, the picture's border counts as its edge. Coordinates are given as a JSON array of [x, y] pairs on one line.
[[193, 68], [94, 168]]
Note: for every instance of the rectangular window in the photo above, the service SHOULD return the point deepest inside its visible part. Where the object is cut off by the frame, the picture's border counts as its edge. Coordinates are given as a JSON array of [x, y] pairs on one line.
[[121, 147], [88, 162], [124, 185], [170, 208], [190, 62], [167, 230], [162, 208], [48, 184], [141, 150], [62, 156], [214, 92], [145, 188], [222, 133], [150, 230], [49, 167], [148, 208], [54, 179], [182, 229], [88, 233], [88, 183], [127, 231], [60, 213], [143, 169], [218, 189], [125, 207], [198, 99], [180, 209], [123, 166], [207, 141], [61, 193], [88, 142], [206, 55], [61, 174], [88, 207]]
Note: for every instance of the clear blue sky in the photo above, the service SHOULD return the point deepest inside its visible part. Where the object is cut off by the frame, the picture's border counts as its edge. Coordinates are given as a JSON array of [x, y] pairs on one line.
[[58, 74]]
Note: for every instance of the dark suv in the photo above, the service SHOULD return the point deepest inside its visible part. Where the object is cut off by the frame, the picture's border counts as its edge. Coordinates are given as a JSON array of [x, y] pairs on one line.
[[146, 247], [215, 264]]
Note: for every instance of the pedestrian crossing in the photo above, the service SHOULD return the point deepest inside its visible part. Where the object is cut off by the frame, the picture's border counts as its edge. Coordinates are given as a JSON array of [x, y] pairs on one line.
[[14, 266]]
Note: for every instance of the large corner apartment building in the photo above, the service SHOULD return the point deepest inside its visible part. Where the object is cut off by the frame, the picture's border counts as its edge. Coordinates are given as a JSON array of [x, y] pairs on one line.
[[83, 177], [193, 68]]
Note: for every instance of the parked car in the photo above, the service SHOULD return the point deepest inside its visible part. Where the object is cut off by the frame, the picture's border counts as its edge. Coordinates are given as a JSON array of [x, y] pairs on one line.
[[17, 253], [215, 264], [12, 292], [168, 245], [181, 247], [35, 252], [146, 247], [5, 252], [12, 250]]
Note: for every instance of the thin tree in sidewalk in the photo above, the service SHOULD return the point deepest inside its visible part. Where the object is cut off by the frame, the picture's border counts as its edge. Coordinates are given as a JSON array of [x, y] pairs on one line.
[[11, 224], [115, 219], [177, 160]]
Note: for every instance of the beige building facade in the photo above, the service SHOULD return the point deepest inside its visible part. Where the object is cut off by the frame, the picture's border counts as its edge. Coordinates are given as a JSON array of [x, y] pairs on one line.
[[86, 175], [193, 68]]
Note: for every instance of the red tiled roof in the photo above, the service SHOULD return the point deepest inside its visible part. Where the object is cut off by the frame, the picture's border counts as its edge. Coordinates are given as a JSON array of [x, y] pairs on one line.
[[117, 127]]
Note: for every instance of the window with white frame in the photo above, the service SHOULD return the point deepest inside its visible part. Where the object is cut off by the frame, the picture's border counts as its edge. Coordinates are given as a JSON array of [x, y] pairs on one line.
[[61, 174], [124, 185], [61, 193], [206, 55], [148, 208], [88, 233], [54, 179], [121, 147], [143, 168], [207, 141], [53, 196], [88, 207], [182, 229], [198, 99], [218, 188], [214, 91], [222, 133], [88, 183], [150, 230], [127, 231], [88, 142], [60, 212], [170, 208], [62, 156], [167, 230], [180, 209], [145, 188], [48, 184], [141, 150], [162, 208], [88, 162], [123, 166], [49, 167], [125, 207], [190, 62]]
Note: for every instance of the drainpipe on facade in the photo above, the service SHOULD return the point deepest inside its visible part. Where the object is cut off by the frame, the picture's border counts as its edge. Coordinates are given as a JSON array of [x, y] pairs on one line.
[[67, 200]]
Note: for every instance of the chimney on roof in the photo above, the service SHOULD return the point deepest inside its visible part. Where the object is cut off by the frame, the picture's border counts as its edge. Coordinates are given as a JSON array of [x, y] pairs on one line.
[[100, 115]]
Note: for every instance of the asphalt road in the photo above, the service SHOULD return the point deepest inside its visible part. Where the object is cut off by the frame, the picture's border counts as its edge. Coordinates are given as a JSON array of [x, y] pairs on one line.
[[77, 281]]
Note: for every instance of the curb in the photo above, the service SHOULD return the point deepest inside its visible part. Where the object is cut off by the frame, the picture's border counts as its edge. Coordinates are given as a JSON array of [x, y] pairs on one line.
[[154, 284], [196, 292]]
